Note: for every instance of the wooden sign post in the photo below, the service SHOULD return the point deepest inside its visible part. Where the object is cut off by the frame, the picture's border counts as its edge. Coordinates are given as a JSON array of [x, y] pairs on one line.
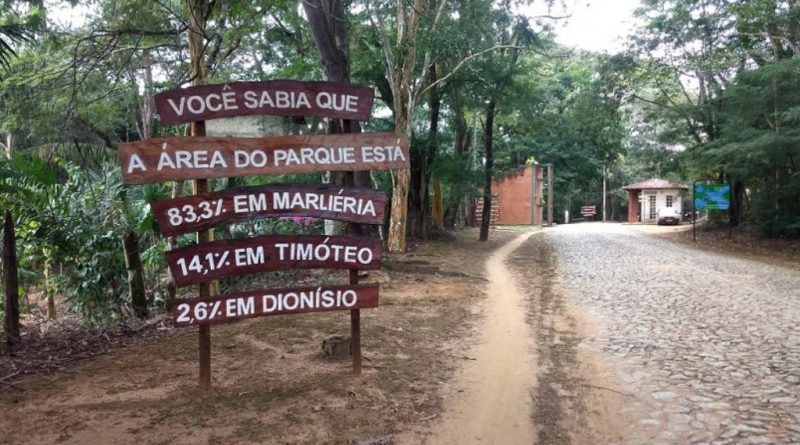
[[277, 97], [164, 159], [202, 263], [355, 313], [200, 158], [263, 302], [358, 205]]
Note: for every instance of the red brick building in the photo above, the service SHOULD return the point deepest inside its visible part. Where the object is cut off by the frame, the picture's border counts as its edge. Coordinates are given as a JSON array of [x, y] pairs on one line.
[[519, 196]]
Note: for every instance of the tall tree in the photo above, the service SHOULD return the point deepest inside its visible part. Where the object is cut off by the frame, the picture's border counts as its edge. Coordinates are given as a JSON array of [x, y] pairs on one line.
[[402, 65]]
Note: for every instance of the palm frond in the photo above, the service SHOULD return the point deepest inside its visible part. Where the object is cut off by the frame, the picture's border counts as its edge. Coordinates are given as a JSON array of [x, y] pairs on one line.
[[10, 34]]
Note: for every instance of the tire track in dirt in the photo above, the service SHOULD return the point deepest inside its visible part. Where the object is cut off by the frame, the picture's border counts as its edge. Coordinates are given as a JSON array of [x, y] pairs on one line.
[[574, 401], [493, 403]]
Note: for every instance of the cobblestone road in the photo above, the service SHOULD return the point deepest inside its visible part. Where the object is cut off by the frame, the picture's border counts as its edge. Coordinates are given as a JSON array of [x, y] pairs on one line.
[[707, 344]]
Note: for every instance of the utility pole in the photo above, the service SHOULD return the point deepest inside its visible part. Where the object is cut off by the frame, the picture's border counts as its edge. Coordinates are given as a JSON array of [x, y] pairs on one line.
[[604, 194], [550, 195]]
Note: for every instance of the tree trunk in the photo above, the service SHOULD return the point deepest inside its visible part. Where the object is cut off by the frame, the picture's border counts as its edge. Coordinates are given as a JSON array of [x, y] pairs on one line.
[[11, 281], [9, 144], [415, 196], [488, 149], [737, 203], [396, 238], [456, 213], [421, 164], [51, 301], [398, 217], [326, 20], [328, 26], [438, 205], [130, 240], [145, 103], [401, 73], [133, 263]]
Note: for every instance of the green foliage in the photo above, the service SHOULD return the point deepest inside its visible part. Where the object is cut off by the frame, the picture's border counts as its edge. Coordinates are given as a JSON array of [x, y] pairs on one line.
[[725, 74], [707, 91], [760, 144]]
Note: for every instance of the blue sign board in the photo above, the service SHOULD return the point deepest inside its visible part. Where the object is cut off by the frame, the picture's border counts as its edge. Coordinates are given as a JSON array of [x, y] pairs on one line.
[[712, 196]]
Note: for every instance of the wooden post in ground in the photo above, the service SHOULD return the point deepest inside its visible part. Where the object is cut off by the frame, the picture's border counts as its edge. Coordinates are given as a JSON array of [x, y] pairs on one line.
[[355, 314], [355, 330], [196, 31]]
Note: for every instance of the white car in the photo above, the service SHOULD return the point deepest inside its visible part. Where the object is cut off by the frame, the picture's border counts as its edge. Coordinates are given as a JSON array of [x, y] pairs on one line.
[[669, 215]]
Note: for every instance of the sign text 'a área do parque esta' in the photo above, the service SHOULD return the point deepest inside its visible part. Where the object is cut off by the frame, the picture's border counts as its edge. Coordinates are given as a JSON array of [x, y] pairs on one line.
[[166, 159], [275, 97]]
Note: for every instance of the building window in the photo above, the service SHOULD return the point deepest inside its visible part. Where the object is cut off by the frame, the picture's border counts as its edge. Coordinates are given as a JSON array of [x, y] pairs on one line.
[[669, 200]]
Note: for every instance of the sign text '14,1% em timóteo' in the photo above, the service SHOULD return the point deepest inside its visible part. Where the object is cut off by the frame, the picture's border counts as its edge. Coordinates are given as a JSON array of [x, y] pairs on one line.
[[206, 262]]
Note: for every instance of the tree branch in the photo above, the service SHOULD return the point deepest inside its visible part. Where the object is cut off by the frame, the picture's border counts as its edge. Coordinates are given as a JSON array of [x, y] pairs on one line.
[[463, 62]]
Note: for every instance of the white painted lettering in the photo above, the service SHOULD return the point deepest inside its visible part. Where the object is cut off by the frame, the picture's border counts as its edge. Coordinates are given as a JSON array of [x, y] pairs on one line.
[[183, 159], [240, 204], [135, 162], [246, 306], [196, 104], [164, 161], [266, 100], [177, 108], [240, 158], [229, 100], [255, 256], [213, 106], [258, 203], [281, 247], [217, 160], [280, 200], [250, 99]]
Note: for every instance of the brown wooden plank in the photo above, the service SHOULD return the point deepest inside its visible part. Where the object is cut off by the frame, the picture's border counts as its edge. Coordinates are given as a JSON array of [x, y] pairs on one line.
[[264, 302], [168, 159], [276, 97], [180, 215], [226, 258]]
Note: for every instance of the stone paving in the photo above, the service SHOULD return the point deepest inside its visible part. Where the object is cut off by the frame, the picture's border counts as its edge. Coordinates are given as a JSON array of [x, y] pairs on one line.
[[708, 345]]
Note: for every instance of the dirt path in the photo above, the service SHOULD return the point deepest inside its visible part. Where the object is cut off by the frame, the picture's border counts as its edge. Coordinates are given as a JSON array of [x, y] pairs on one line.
[[576, 400], [493, 403]]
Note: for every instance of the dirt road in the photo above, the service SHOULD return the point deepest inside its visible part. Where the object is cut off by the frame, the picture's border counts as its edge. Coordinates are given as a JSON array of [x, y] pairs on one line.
[[631, 339], [580, 334], [491, 403], [530, 381]]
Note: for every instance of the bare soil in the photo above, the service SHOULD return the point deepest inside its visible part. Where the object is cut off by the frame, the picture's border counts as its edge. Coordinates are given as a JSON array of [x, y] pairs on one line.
[[575, 399], [491, 403], [271, 383], [741, 242]]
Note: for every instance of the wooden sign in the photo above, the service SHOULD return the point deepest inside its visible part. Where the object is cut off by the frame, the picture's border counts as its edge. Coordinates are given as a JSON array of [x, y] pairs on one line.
[[197, 212], [227, 258], [166, 159], [263, 302], [276, 97]]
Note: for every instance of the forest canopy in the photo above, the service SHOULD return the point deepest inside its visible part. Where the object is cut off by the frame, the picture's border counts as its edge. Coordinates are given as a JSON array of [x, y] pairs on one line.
[[704, 91]]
